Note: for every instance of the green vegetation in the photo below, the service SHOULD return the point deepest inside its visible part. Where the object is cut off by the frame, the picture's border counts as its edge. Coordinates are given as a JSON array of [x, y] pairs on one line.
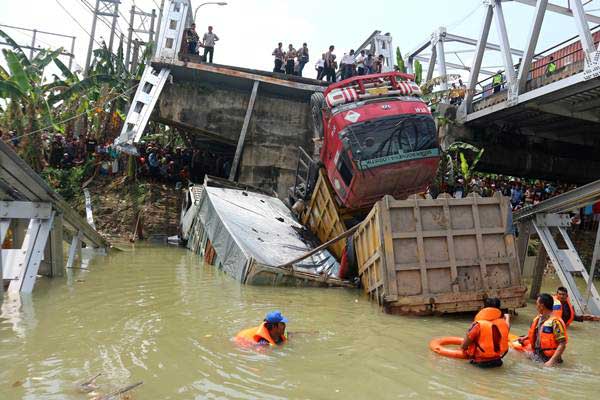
[[66, 182], [400, 61], [31, 102], [459, 157]]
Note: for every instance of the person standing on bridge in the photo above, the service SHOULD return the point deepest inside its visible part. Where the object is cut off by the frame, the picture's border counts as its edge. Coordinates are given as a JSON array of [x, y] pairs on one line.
[[497, 81], [551, 67], [279, 56], [290, 57], [360, 63], [192, 39], [330, 64], [208, 42], [302, 58], [347, 65]]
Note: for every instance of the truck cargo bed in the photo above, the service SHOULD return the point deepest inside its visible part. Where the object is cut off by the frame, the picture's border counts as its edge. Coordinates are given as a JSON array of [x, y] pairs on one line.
[[424, 256]]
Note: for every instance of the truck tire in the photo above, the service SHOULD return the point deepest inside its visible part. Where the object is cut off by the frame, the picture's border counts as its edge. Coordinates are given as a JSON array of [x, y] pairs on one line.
[[317, 101]]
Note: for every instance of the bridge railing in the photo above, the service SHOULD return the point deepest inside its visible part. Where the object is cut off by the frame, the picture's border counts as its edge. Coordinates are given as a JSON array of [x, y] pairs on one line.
[[574, 55]]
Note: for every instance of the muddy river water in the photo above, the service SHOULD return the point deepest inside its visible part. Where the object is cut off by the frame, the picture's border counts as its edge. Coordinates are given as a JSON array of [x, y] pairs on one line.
[[157, 315]]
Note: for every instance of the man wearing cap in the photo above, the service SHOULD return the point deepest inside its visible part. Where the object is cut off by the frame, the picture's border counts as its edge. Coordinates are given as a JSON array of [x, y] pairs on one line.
[[270, 332]]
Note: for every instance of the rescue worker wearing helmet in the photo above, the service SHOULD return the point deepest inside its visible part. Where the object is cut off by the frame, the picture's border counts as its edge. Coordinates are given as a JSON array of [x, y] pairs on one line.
[[547, 334], [486, 341], [564, 309], [270, 332]]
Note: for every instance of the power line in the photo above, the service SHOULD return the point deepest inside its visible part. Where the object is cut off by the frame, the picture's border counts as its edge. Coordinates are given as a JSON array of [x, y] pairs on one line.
[[77, 22], [467, 16]]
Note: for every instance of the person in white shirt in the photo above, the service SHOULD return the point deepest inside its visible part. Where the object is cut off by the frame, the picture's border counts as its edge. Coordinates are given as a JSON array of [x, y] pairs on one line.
[[208, 42], [347, 65], [360, 63], [320, 67]]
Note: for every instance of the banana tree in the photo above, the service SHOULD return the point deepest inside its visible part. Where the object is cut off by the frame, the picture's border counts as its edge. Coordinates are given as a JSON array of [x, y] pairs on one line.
[[456, 159], [33, 103]]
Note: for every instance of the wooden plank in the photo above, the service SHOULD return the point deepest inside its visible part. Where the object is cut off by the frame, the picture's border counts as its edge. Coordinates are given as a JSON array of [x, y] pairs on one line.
[[480, 248], [451, 250], [420, 246], [444, 233], [383, 220], [242, 138]]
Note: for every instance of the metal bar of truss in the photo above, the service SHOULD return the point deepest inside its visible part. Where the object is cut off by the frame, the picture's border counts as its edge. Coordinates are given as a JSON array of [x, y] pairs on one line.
[[576, 198], [509, 69], [534, 34], [585, 35], [431, 64], [455, 66], [477, 60], [441, 59], [490, 46], [558, 9]]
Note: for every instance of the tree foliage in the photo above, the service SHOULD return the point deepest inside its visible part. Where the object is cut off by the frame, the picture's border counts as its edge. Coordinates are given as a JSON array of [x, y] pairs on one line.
[[400, 61], [33, 102]]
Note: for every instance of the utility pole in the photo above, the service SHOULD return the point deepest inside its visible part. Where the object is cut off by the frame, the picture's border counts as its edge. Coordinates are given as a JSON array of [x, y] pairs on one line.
[[139, 22], [32, 44], [113, 27], [104, 8]]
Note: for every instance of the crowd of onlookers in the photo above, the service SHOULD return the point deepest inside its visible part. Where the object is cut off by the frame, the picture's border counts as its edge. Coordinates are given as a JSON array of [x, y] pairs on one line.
[[159, 163], [168, 164], [292, 62], [522, 192]]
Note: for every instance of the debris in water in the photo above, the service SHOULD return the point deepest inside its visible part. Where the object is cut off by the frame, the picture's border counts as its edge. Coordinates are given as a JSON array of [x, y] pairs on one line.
[[89, 385], [17, 384]]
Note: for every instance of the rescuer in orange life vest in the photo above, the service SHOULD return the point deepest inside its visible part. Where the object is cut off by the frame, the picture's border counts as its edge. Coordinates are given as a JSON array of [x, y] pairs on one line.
[[564, 309], [270, 332], [547, 334], [486, 341]]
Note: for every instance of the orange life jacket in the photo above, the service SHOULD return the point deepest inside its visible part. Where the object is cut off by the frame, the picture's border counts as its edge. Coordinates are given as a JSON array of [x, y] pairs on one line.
[[548, 342], [557, 310], [254, 335], [485, 349]]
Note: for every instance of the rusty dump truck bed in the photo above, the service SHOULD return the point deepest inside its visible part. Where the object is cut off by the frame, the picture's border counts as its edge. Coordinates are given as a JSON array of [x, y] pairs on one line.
[[423, 256]]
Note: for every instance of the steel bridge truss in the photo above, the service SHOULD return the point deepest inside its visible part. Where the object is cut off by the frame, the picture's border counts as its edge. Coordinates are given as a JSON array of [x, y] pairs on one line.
[[172, 25], [516, 80], [38, 221], [550, 220], [436, 58]]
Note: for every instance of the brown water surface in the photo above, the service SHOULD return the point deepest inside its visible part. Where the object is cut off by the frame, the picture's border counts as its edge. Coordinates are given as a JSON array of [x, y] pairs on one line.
[[155, 314]]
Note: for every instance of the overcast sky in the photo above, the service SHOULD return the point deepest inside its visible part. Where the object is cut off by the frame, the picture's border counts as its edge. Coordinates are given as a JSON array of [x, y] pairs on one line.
[[250, 29]]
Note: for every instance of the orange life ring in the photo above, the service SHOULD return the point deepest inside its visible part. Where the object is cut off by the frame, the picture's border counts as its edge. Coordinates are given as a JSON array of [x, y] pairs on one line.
[[438, 346]]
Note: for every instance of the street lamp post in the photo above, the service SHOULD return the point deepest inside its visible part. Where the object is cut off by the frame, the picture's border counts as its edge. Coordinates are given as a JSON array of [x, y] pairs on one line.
[[219, 3]]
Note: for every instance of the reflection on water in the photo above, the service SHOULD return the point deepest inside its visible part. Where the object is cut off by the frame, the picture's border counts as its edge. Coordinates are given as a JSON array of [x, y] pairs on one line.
[[156, 315]]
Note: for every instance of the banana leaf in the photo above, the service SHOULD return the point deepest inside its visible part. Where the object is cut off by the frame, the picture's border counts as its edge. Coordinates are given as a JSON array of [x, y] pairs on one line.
[[18, 50], [11, 90], [18, 73], [82, 86]]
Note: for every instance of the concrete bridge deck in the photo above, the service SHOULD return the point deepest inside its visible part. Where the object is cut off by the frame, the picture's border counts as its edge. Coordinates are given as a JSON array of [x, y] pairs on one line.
[[210, 102]]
